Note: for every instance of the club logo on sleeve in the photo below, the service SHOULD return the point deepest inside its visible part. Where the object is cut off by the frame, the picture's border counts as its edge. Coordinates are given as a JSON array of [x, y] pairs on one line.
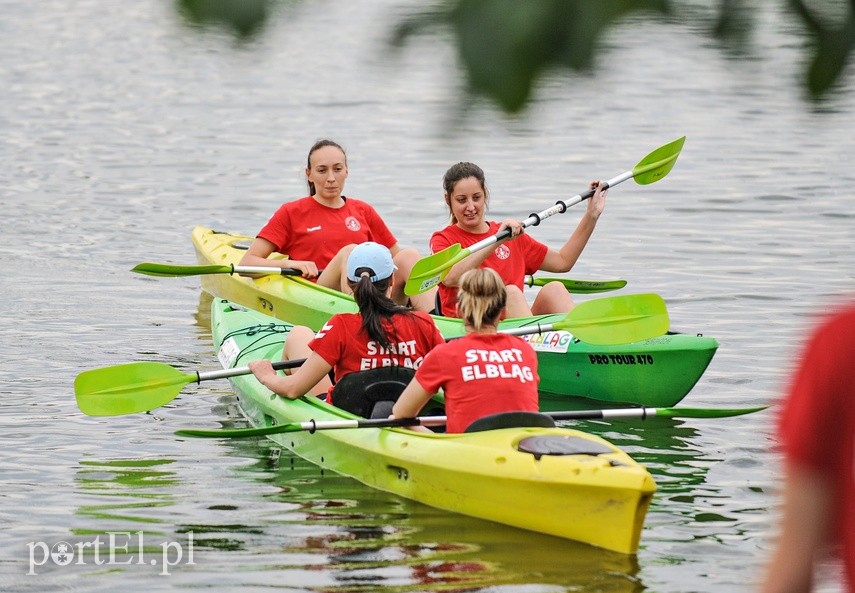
[[352, 224]]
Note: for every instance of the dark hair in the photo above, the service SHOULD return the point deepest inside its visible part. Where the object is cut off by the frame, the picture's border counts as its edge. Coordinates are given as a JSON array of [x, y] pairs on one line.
[[375, 306], [315, 147], [481, 297], [459, 172]]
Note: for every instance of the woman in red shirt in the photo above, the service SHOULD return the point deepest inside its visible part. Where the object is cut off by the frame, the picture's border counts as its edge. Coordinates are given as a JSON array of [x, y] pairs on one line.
[[382, 334], [466, 197], [318, 232], [483, 373]]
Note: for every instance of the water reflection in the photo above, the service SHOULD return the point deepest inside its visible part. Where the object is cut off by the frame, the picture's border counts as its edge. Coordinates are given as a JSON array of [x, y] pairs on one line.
[[364, 537]]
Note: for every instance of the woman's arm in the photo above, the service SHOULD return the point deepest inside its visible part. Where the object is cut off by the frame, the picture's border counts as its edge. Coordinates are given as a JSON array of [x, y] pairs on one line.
[[296, 384], [411, 401], [476, 259], [562, 260], [260, 250], [803, 532]]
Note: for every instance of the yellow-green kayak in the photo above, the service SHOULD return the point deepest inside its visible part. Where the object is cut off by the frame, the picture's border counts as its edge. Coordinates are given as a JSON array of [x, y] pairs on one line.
[[594, 494]]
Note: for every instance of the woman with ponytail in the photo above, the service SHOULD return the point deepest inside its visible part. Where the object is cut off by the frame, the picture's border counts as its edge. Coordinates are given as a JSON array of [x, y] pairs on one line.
[[381, 334], [483, 373]]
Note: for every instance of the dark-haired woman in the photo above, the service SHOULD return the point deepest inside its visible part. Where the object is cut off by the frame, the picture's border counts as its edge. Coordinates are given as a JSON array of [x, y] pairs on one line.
[[466, 196], [382, 334], [318, 232], [483, 373]]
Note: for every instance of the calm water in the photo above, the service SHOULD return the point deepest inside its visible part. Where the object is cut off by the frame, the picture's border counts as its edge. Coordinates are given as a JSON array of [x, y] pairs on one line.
[[120, 131]]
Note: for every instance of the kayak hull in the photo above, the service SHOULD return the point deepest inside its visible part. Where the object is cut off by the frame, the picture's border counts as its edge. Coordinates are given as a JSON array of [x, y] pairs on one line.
[[658, 372], [599, 499]]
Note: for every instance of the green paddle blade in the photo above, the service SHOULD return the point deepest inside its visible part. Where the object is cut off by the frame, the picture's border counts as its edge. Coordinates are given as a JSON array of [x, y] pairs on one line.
[[239, 433], [128, 388], [578, 286], [617, 320], [431, 270], [155, 269], [658, 163], [706, 412]]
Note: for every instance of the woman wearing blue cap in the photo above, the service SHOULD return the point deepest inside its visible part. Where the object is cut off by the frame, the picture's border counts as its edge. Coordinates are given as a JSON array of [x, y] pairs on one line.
[[382, 334]]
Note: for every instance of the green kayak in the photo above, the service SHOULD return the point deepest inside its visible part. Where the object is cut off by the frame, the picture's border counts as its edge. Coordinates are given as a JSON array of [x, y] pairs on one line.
[[658, 372]]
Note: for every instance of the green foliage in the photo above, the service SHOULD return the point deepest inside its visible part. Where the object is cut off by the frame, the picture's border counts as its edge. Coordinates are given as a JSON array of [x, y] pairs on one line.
[[243, 18], [506, 46], [833, 37]]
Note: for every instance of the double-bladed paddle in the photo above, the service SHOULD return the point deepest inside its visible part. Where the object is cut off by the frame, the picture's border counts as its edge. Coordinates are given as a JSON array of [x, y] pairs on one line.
[[431, 270], [312, 425], [177, 270], [142, 386], [171, 270]]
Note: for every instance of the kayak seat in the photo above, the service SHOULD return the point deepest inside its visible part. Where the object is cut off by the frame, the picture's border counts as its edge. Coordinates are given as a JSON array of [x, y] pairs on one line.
[[371, 393], [511, 420]]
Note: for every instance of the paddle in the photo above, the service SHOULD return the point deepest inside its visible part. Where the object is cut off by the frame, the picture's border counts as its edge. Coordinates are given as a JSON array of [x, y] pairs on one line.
[[143, 386], [155, 269], [431, 270], [312, 425], [611, 320], [578, 286], [175, 270]]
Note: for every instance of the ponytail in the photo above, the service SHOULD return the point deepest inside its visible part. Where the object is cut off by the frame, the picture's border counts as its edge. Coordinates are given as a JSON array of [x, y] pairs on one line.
[[481, 297], [375, 306]]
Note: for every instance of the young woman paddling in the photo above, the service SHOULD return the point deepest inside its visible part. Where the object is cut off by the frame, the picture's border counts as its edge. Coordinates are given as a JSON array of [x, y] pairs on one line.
[[318, 232], [382, 334], [467, 199], [483, 373]]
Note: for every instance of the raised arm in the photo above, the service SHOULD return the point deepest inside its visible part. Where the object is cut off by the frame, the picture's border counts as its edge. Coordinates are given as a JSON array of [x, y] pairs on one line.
[[563, 259]]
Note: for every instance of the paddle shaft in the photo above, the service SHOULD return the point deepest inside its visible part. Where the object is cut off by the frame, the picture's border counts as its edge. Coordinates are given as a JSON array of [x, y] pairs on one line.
[[237, 371], [312, 426], [560, 207]]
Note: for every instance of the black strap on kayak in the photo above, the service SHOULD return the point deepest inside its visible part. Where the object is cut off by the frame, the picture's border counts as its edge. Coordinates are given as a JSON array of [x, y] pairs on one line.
[[553, 444]]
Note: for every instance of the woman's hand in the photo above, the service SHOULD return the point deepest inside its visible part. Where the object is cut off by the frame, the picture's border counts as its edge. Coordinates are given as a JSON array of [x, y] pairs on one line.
[[515, 226], [263, 371], [597, 202], [308, 269]]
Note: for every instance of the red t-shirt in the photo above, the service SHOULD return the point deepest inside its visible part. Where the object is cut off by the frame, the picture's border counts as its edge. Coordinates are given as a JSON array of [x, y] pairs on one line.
[[308, 231], [817, 423], [481, 374], [512, 260], [347, 348]]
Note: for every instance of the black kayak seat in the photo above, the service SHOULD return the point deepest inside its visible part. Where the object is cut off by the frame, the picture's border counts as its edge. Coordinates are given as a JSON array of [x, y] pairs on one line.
[[511, 420], [371, 393]]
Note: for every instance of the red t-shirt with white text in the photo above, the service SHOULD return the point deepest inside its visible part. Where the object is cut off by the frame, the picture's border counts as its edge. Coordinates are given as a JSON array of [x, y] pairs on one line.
[[481, 374], [347, 347], [306, 230], [512, 260]]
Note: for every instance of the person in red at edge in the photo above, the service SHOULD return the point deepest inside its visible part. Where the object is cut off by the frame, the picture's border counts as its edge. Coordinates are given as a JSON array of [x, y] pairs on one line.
[[466, 197], [382, 334], [483, 373], [318, 232], [816, 430]]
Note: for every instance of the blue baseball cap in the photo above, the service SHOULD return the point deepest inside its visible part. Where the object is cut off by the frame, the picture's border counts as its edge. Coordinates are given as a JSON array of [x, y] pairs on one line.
[[373, 256]]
